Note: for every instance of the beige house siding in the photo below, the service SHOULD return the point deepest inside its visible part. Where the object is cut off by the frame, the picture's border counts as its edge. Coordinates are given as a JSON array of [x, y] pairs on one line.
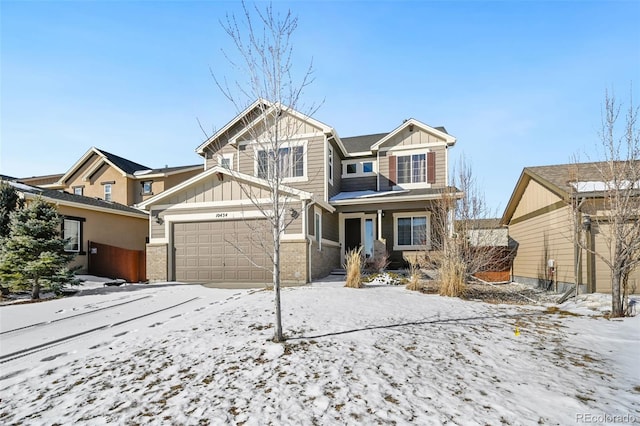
[[211, 158], [107, 228], [534, 198], [161, 184], [441, 167], [94, 187], [543, 237], [407, 138], [602, 270]]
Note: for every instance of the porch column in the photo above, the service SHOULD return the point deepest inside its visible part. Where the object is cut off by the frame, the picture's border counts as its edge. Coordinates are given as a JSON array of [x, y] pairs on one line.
[[379, 225]]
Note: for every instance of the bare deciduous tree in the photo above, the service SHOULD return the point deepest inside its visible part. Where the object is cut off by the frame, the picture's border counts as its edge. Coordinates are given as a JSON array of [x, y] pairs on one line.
[[468, 238], [263, 42], [610, 204]]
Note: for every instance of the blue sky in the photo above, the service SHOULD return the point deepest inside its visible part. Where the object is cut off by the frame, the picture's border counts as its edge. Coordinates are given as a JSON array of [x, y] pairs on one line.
[[518, 83]]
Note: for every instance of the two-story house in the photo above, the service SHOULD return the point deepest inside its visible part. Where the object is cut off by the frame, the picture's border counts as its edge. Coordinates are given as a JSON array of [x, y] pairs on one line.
[[375, 191], [109, 184], [100, 174]]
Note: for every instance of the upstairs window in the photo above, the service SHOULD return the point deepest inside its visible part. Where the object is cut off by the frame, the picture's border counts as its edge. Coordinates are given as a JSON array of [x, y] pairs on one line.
[[289, 162], [147, 187], [78, 190], [107, 192], [226, 161], [358, 168], [412, 168]]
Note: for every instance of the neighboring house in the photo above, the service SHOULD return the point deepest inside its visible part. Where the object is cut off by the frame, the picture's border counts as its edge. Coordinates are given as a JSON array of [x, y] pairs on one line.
[[492, 239], [375, 191], [99, 174], [542, 223], [89, 220]]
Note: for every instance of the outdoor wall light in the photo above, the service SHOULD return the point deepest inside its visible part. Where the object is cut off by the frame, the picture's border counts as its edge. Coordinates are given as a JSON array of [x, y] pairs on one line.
[[586, 222], [158, 219], [294, 213]]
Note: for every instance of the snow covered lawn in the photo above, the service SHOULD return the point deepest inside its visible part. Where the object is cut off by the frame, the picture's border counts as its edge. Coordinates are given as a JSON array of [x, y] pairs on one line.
[[185, 354]]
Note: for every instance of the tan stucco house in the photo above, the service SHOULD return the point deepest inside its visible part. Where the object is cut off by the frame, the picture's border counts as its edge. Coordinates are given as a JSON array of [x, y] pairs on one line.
[[545, 226], [87, 221], [100, 174], [376, 191]]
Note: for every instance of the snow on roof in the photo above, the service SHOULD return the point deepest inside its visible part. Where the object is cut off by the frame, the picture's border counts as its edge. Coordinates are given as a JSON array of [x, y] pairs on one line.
[[24, 187], [596, 186]]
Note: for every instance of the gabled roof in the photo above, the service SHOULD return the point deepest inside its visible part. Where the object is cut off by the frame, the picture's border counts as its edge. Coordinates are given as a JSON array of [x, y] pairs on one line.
[[557, 179], [265, 106], [78, 201], [303, 195], [127, 166], [450, 140], [124, 166]]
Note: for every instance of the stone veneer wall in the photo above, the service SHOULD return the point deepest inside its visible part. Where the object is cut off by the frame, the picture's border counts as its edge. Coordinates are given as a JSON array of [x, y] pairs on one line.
[[324, 261], [293, 265], [157, 262]]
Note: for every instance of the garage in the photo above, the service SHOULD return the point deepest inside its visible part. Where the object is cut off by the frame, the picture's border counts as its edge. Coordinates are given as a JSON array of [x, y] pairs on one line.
[[209, 251]]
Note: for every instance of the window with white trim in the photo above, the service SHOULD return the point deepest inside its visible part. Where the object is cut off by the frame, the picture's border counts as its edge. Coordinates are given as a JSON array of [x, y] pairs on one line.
[[226, 161], [107, 192], [290, 162], [411, 231], [147, 187], [330, 165], [412, 168], [358, 168], [78, 190], [72, 233]]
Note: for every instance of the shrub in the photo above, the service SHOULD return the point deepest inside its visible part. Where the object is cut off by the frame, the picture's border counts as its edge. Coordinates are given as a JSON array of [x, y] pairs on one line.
[[452, 276], [414, 276], [353, 266]]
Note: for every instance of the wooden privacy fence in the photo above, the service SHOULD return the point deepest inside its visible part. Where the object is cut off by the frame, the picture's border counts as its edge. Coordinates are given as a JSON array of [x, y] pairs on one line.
[[116, 262]]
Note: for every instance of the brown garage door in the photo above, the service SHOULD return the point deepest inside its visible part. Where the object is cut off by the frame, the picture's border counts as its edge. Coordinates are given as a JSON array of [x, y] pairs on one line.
[[208, 251]]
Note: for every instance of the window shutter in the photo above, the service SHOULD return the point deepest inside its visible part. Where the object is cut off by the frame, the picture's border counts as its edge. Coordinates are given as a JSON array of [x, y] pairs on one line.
[[393, 177], [431, 167]]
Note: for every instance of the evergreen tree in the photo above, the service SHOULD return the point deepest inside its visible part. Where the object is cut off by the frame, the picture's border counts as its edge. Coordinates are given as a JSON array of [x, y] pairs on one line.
[[9, 202], [32, 256]]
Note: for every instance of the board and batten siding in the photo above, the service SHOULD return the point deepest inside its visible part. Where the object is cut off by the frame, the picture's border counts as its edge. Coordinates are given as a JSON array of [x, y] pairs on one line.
[[535, 197], [214, 189], [158, 229]]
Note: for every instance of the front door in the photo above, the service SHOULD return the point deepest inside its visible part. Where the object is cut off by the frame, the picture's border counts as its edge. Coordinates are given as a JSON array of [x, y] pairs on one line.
[[352, 233]]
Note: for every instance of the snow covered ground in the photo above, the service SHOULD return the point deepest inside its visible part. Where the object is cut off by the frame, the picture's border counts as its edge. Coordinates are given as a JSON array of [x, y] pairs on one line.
[[186, 354]]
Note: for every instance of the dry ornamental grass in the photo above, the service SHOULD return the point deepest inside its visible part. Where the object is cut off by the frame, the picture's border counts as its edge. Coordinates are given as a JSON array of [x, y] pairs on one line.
[[354, 267]]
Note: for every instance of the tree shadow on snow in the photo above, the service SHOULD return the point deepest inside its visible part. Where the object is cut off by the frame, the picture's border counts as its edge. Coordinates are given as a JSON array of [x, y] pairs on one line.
[[457, 321]]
